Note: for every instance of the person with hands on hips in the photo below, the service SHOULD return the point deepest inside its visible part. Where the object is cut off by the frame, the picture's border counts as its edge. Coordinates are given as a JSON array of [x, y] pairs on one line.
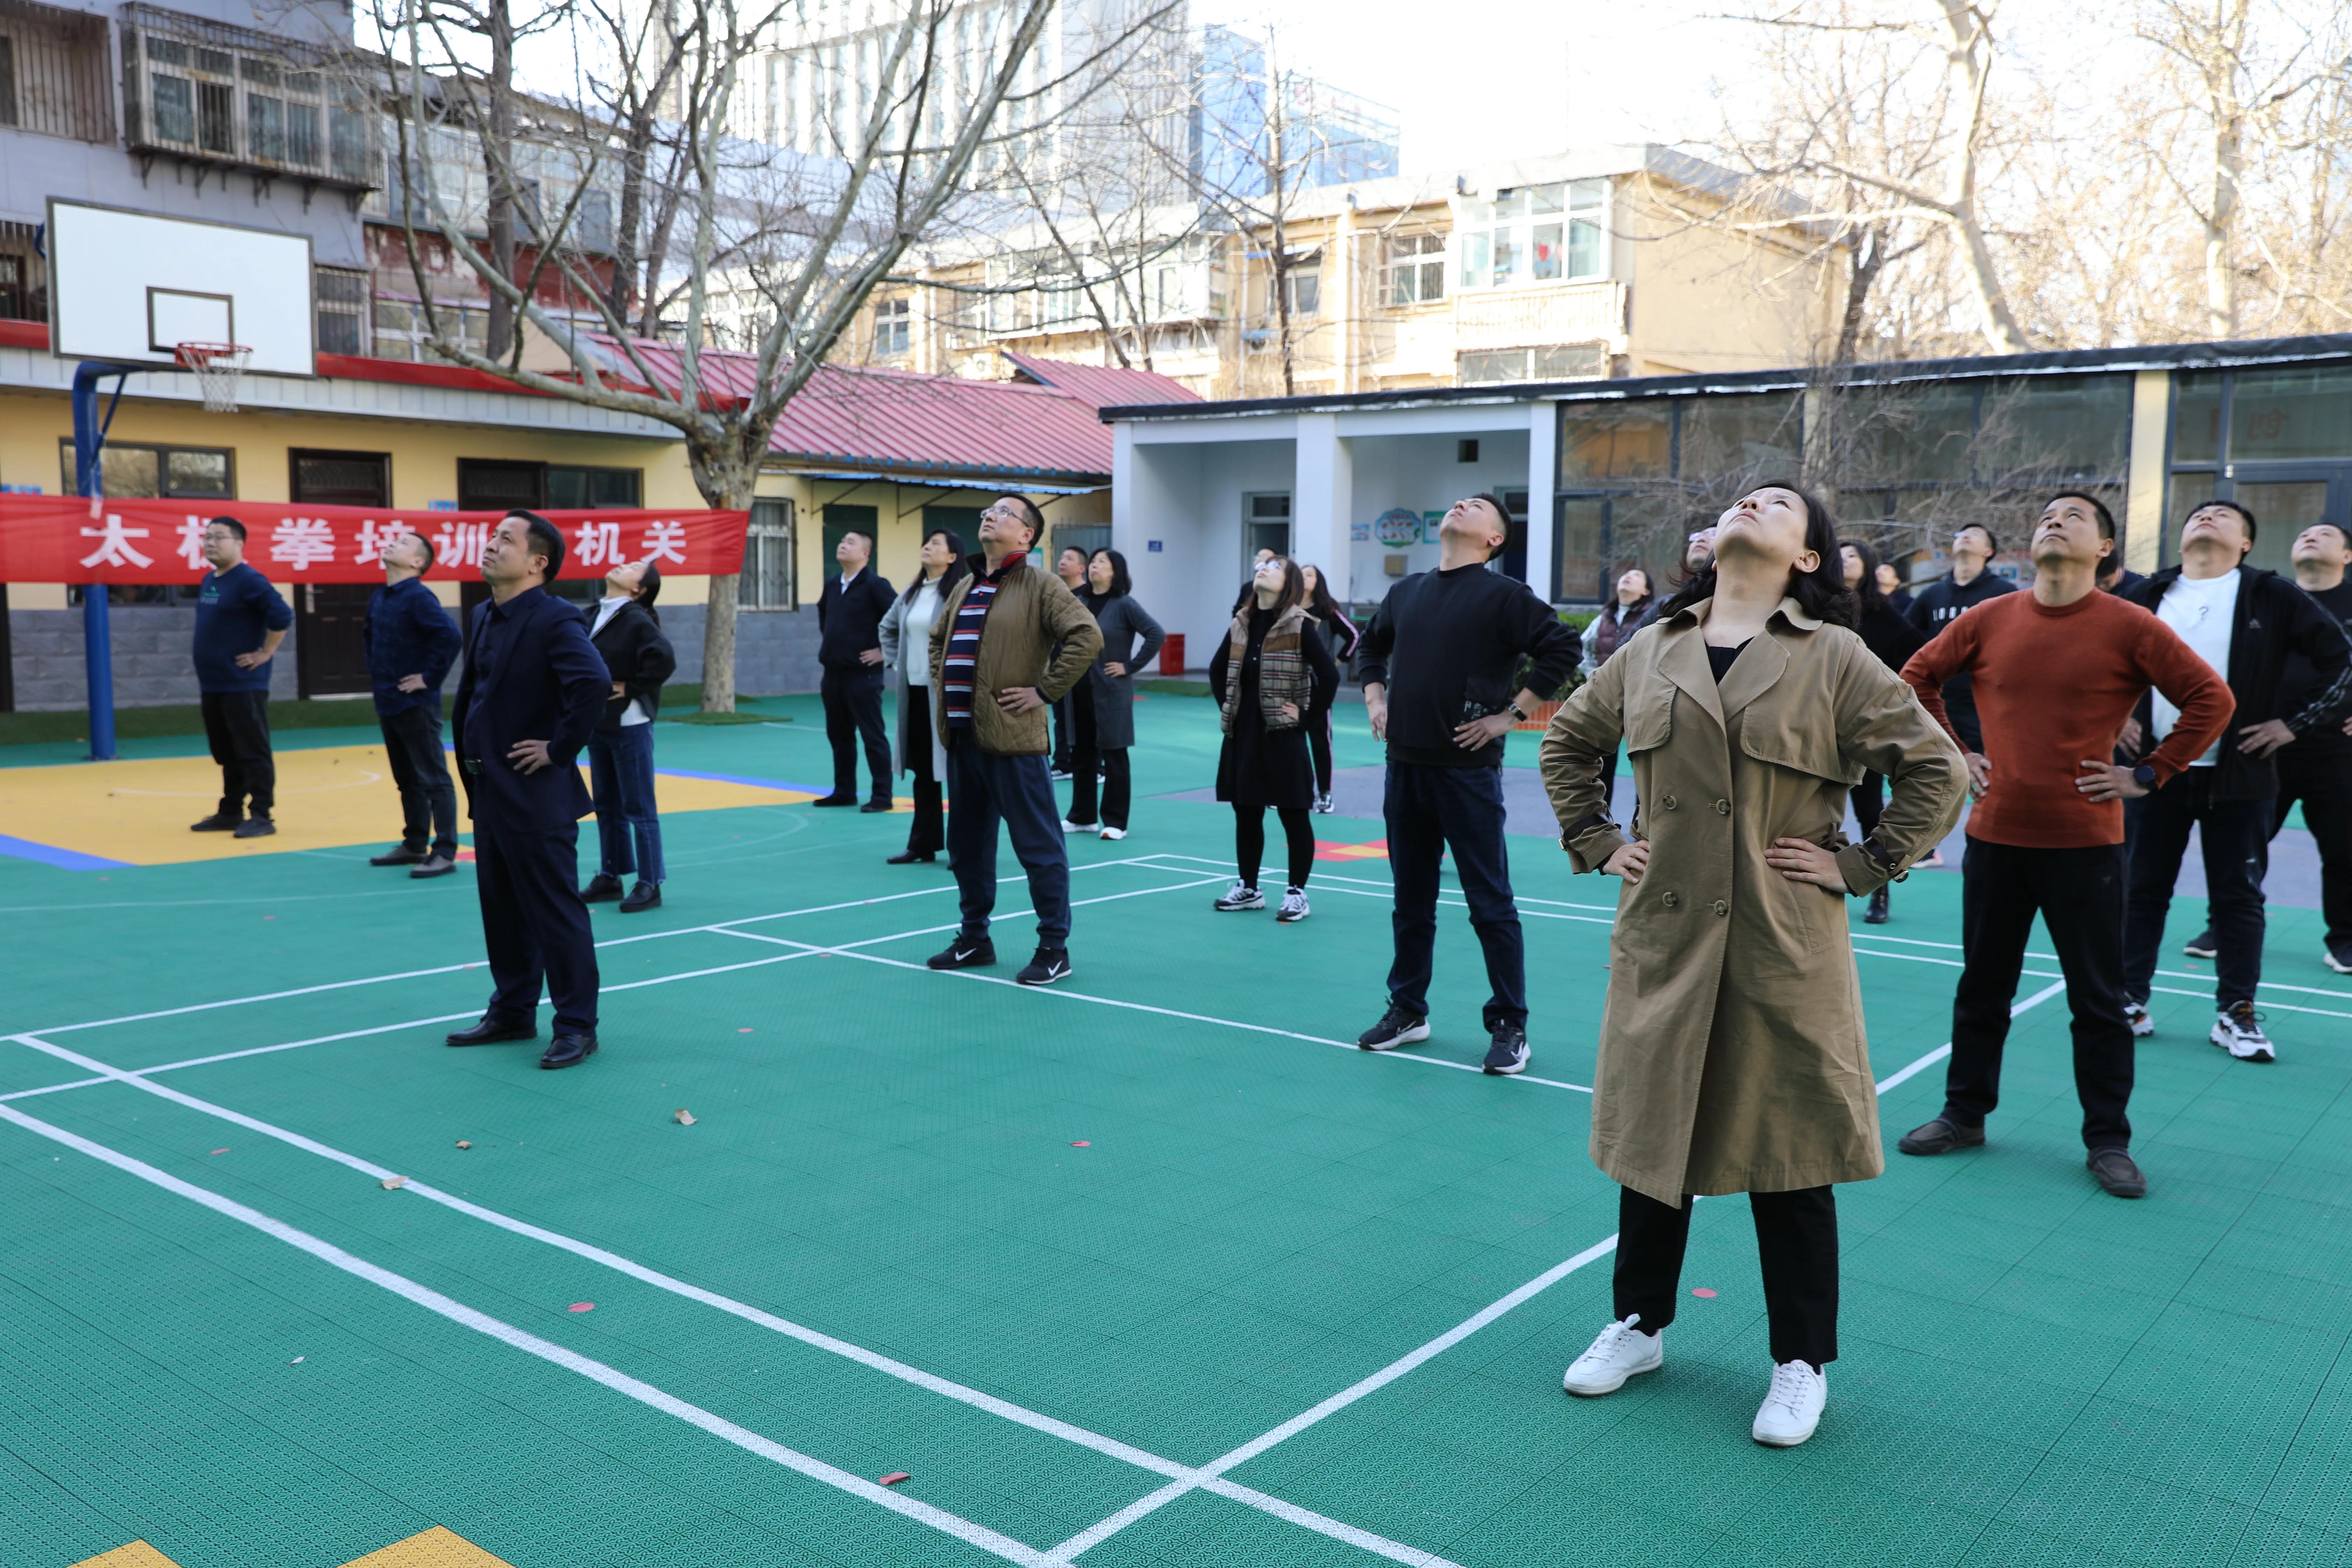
[[1733, 1057], [410, 643]]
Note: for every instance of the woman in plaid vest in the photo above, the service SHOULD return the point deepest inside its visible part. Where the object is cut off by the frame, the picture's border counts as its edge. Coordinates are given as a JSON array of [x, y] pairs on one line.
[[1273, 677]]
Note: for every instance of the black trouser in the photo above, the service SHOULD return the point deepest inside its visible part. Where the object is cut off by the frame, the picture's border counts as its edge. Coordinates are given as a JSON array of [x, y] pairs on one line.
[[1062, 758], [2235, 837], [2079, 894], [853, 711], [1796, 1242], [1869, 799], [1429, 810], [534, 924], [1319, 745], [928, 833], [1085, 752], [420, 772], [237, 727], [1249, 842], [2324, 786], [986, 789]]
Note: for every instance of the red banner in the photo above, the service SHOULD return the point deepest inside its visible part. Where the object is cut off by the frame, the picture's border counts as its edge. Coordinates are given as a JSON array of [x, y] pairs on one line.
[[69, 539]]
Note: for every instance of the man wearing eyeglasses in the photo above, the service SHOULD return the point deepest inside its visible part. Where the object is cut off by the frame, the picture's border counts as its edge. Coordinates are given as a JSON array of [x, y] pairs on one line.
[[1940, 604]]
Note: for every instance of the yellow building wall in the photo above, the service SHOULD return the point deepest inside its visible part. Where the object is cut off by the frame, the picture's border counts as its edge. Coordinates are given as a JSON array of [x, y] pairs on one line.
[[898, 520], [1704, 300]]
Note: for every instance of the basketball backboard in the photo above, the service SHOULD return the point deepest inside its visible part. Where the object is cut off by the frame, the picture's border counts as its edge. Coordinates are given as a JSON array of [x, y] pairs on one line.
[[130, 285]]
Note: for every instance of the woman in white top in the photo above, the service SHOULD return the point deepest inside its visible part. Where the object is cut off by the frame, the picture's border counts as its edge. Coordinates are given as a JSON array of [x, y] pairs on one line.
[[905, 648]]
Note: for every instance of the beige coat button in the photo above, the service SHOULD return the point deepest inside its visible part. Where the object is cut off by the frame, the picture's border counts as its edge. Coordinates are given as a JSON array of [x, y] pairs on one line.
[[1672, 900], [1723, 808], [1668, 803], [1721, 908]]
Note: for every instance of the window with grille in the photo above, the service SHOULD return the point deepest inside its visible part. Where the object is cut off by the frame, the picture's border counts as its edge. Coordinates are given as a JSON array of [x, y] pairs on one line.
[[228, 94], [893, 320], [767, 580], [54, 69], [402, 331], [1413, 270], [342, 299]]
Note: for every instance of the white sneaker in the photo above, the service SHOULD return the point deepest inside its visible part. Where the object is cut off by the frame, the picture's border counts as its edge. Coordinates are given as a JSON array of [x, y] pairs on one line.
[[1242, 896], [1323, 802], [1793, 1407], [1620, 1352], [2136, 1014], [1113, 835], [2238, 1032], [1069, 827], [1294, 906]]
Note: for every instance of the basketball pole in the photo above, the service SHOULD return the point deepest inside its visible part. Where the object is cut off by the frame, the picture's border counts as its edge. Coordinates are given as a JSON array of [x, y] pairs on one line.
[[97, 640]]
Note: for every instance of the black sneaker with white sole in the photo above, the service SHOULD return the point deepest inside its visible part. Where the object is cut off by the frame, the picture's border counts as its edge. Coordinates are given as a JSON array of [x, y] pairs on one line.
[[964, 952], [1396, 1027], [2202, 945], [2338, 957], [1240, 896], [2239, 1031], [1051, 964], [1507, 1055]]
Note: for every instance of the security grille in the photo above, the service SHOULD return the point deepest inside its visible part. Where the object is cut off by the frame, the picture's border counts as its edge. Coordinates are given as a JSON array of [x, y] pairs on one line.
[[53, 72]]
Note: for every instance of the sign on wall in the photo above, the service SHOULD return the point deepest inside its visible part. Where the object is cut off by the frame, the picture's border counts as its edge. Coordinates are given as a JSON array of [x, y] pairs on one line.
[[1397, 528], [71, 539]]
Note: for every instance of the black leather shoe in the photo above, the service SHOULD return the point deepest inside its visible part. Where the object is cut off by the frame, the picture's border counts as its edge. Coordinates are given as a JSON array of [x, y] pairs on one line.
[[1940, 1136], [836, 798], [964, 952], [644, 895], [568, 1051], [494, 1032], [255, 827], [2117, 1174], [879, 802], [432, 865], [1876, 914], [218, 822], [602, 889], [913, 857], [401, 856]]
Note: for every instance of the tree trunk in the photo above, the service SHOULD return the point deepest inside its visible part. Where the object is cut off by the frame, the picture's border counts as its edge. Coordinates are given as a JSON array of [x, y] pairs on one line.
[[498, 137], [727, 482], [1862, 271], [2001, 333], [2220, 223]]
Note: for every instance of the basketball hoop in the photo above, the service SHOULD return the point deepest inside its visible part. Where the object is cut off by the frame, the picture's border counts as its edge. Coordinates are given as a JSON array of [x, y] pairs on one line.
[[217, 367]]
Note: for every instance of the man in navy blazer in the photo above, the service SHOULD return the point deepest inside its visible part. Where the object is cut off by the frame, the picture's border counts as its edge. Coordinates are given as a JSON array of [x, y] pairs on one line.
[[534, 689]]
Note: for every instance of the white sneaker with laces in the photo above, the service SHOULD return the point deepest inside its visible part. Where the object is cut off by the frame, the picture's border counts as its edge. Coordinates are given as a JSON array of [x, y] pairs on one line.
[[2238, 1032], [1113, 835], [1792, 1409], [1323, 802], [1069, 827], [1620, 1352], [1294, 906], [2136, 1014], [1241, 896]]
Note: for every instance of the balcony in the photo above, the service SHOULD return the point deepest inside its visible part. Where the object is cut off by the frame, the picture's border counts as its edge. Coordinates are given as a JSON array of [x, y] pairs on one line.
[[54, 72], [1535, 316], [227, 97]]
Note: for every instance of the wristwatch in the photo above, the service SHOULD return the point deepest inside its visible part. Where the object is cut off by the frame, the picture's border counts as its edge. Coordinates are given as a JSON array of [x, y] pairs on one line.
[[1518, 713], [2144, 775]]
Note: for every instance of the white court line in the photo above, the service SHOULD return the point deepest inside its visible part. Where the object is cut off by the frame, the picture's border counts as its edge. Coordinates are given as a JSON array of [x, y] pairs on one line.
[[888, 1365], [610, 942], [2166, 974], [1321, 878], [2267, 1006], [457, 1312], [1095, 1534], [810, 950]]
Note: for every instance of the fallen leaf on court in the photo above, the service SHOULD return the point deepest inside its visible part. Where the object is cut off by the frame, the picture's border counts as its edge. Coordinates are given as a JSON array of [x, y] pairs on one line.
[[582, 1307], [894, 1477], [220, 1151], [1082, 1143], [392, 1184], [682, 1116], [298, 1360], [1703, 1293], [462, 1143]]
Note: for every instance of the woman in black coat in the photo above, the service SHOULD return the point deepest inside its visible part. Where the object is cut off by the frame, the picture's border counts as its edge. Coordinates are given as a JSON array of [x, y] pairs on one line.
[[1102, 710], [1886, 634], [1339, 635], [626, 630], [1270, 673]]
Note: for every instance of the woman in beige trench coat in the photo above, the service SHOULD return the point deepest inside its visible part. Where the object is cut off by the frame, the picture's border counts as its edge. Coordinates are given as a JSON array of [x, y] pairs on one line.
[[1732, 1053]]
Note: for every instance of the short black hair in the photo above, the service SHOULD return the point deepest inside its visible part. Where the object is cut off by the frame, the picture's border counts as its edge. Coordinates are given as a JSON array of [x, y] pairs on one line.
[[2106, 519], [231, 524], [2237, 507], [862, 535], [1036, 517], [650, 585], [1502, 512], [1991, 539], [546, 539], [428, 547]]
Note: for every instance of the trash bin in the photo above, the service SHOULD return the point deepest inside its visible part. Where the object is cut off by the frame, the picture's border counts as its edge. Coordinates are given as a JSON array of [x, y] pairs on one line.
[[1171, 653]]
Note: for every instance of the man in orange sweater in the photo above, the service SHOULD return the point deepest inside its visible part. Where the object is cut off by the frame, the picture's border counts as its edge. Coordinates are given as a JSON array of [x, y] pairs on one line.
[[2056, 672]]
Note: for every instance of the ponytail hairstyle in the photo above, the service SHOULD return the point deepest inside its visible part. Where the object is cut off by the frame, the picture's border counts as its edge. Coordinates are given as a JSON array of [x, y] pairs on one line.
[[1821, 593]]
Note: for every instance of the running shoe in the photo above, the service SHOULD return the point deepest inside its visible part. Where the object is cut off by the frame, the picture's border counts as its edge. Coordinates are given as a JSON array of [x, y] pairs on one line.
[[1069, 827], [1396, 1027], [1323, 802], [964, 952], [1294, 906], [2136, 1014], [2339, 958], [1113, 835], [2201, 945], [1051, 964], [1507, 1055], [1240, 896], [2239, 1031], [1793, 1406], [1620, 1351]]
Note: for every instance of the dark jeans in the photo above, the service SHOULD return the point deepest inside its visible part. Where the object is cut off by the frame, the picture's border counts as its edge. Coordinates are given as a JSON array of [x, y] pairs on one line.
[[237, 727], [621, 778], [2324, 786], [534, 924], [928, 834], [1086, 751], [1430, 810], [984, 789], [1796, 1242], [1249, 842], [2079, 894], [2235, 837], [853, 711], [420, 772]]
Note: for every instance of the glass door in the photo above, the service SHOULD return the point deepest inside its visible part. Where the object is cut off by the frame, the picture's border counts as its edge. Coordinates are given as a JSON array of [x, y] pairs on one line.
[[2286, 499]]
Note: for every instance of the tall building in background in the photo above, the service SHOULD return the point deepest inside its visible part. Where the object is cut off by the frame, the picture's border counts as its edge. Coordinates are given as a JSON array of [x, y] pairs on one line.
[[1252, 120]]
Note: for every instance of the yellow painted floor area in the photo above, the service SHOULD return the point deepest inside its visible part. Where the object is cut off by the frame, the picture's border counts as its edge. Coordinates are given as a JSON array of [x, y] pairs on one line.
[[138, 812], [435, 1548]]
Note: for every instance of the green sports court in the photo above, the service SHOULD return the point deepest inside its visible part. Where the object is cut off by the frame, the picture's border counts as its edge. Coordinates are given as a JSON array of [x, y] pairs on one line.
[[1151, 1268]]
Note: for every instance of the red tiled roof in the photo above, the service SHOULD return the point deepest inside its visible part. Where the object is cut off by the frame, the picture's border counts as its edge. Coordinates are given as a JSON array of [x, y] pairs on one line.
[[1102, 386]]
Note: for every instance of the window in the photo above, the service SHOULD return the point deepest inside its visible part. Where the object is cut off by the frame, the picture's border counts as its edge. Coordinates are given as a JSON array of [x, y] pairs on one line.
[[1737, 434], [150, 473], [2291, 413], [1413, 270], [54, 72], [402, 332], [343, 296], [1616, 440], [892, 320], [569, 487], [209, 89], [1566, 361], [1303, 288], [767, 580], [1533, 233], [24, 275]]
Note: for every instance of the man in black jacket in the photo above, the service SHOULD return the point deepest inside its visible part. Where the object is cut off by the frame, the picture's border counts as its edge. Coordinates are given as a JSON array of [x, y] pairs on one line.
[[533, 689], [849, 624], [2245, 622], [410, 643], [1436, 666], [1940, 602], [626, 631]]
